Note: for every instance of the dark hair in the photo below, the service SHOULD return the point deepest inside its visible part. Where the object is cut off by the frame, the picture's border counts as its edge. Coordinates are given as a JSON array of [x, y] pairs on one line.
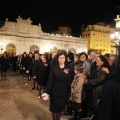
[[61, 52], [76, 55], [104, 59], [30, 52], [107, 55], [71, 56], [45, 56], [83, 53]]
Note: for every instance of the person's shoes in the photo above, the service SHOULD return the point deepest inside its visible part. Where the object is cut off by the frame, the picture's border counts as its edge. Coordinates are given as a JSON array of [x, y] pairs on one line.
[[33, 88], [37, 88]]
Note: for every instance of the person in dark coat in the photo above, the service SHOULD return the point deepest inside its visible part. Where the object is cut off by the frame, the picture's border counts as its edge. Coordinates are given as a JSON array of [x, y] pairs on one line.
[[71, 64], [58, 86], [96, 80], [4, 65], [23, 63], [29, 63], [93, 57], [43, 73], [108, 107], [35, 70], [14, 62]]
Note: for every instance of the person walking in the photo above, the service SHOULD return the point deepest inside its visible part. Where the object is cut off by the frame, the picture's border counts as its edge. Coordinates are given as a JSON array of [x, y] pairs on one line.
[[58, 86]]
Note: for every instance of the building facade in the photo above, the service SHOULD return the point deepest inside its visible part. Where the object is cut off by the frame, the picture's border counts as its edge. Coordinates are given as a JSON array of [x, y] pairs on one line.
[[99, 39], [63, 31], [21, 36]]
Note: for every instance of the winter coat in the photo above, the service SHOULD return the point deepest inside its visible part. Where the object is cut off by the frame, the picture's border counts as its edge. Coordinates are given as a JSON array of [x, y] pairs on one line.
[[76, 88]]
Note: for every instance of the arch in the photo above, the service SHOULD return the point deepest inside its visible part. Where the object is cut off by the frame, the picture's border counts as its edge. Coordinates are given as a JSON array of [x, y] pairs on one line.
[[34, 49], [10, 49]]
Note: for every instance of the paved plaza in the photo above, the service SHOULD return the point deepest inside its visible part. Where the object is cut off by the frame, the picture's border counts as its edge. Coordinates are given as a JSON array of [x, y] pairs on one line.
[[19, 102]]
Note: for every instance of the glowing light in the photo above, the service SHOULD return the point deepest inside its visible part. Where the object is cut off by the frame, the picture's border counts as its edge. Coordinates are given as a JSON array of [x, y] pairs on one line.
[[112, 36]]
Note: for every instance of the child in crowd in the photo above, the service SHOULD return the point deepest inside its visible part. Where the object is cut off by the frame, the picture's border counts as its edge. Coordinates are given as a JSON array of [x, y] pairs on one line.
[[76, 91]]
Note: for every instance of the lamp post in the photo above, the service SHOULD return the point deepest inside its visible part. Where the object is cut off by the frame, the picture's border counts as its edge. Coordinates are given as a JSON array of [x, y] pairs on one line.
[[116, 39]]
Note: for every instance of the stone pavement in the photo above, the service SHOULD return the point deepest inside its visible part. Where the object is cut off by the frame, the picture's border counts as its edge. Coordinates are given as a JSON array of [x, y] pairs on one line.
[[19, 102]]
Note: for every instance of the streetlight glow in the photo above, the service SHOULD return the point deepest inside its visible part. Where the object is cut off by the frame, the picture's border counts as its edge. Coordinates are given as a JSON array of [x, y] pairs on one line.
[[116, 39]]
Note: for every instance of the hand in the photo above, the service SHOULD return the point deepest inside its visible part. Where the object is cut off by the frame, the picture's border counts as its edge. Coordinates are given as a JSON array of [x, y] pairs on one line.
[[86, 81], [105, 70], [34, 77], [45, 65], [27, 71], [45, 96]]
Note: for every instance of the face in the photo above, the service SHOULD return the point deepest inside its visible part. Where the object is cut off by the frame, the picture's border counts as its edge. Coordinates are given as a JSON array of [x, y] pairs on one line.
[[92, 56], [82, 58], [25, 55], [76, 72], [99, 62], [42, 57], [111, 60], [61, 59], [37, 56], [30, 55], [75, 59], [96, 56]]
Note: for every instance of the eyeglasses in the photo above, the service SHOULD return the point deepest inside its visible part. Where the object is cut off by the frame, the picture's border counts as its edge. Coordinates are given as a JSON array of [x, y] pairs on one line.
[[82, 57]]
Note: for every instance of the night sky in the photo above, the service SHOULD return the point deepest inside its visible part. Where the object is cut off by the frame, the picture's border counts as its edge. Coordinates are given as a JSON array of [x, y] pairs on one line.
[[53, 14]]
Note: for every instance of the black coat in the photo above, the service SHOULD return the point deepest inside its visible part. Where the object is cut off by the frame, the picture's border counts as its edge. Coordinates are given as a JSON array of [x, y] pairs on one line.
[[35, 67], [4, 64], [29, 62], [14, 62], [43, 73], [109, 105], [96, 81], [24, 62], [71, 65], [58, 87]]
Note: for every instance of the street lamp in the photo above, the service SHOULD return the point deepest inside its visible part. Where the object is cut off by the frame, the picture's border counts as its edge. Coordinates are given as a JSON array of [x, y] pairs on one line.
[[116, 39]]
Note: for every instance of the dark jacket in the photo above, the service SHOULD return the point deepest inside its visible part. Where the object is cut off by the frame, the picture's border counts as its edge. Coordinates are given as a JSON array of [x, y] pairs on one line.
[[43, 72], [4, 64], [35, 67], [59, 84], [96, 80], [71, 65], [24, 62], [109, 105]]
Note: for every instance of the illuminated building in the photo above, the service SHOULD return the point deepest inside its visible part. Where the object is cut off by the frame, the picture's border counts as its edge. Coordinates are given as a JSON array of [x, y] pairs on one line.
[[21, 36], [98, 36]]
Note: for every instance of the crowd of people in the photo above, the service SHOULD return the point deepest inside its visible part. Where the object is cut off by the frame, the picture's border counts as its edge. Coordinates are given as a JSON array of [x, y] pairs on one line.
[[78, 84]]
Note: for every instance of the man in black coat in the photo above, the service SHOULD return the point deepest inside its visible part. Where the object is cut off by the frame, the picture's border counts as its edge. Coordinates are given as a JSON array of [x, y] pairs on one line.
[[14, 62], [71, 64], [109, 106], [35, 70]]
